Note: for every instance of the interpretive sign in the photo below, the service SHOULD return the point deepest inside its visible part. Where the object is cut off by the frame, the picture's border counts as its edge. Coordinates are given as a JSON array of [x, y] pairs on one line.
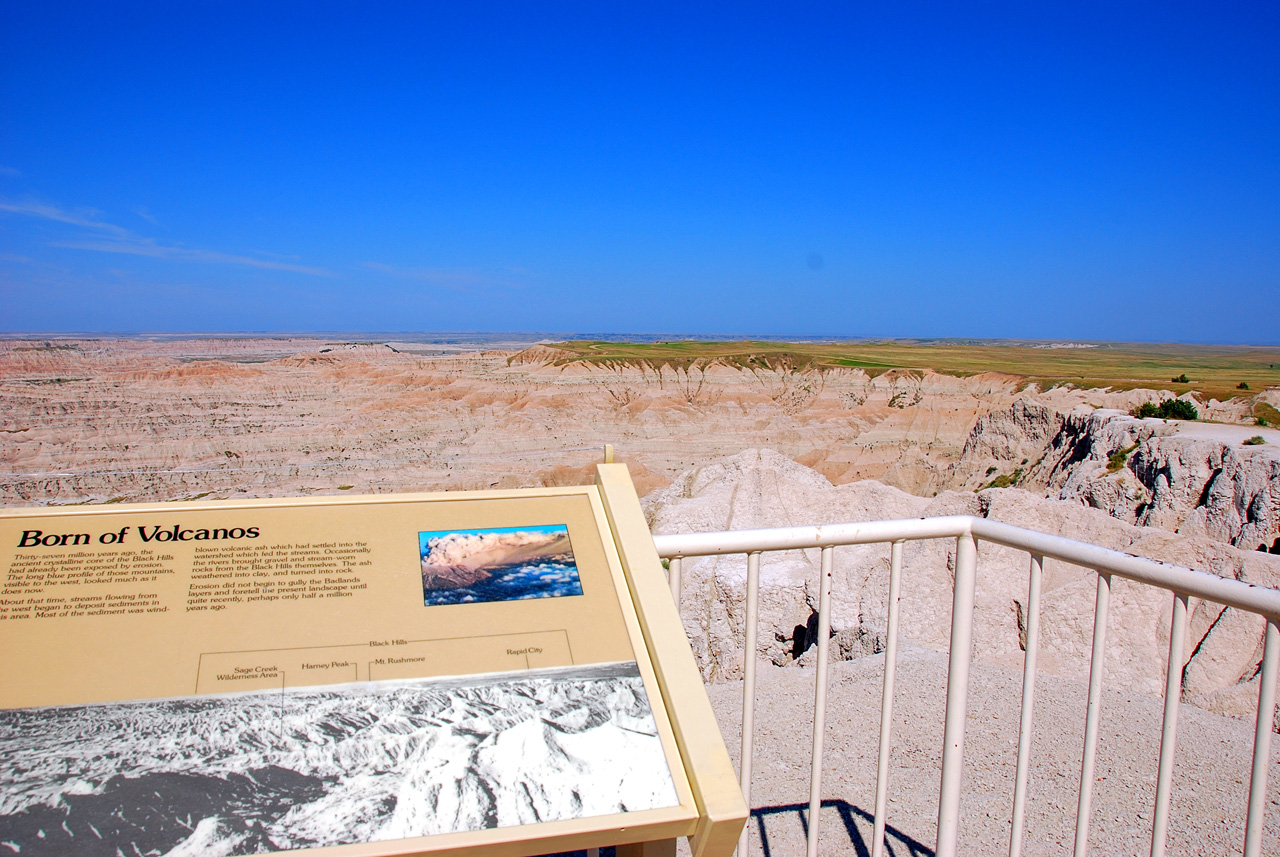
[[372, 675]]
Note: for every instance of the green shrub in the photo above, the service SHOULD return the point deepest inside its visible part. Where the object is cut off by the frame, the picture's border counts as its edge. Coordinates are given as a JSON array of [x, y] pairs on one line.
[[1178, 409], [1256, 440], [1117, 459], [1005, 480], [1181, 379], [1169, 409], [1243, 385], [1265, 415]]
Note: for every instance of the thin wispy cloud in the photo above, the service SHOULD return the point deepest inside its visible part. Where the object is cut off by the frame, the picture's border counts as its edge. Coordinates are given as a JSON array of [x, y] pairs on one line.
[[284, 257], [155, 250], [85, 217], [110, 238], [9, 171], [146, 215], [457, 279]]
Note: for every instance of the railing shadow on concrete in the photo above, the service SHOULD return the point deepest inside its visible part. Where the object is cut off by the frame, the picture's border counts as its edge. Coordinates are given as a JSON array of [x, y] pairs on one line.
[[850, 815], [1182, 583]]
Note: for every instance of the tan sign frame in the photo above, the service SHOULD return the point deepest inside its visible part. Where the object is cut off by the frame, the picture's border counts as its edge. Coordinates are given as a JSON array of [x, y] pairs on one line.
[[174, 582]]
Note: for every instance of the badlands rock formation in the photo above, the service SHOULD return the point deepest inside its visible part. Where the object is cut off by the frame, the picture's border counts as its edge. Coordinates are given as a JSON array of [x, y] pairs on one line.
[[1192, 478], [128, 420], [761, 488], [133, 420]]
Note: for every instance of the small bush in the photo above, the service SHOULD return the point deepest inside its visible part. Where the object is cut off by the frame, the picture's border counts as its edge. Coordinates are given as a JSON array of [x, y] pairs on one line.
[[1117, 459], [1256, 440], [1005, 480], [1243, 385], [1178, 409], [1181, 379], [1169, 409], [1265, 414]]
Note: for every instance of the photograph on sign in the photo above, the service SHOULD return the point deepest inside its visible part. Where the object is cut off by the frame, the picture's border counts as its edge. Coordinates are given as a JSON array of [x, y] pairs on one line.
[[261, 771], [497, 564]]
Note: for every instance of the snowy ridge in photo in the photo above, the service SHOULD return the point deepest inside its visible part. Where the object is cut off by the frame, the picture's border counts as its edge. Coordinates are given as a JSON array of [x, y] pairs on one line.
[[497, 564], [255, 772]]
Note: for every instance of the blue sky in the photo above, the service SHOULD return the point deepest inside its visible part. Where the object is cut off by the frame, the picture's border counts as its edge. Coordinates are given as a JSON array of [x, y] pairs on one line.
[[1087, 171]]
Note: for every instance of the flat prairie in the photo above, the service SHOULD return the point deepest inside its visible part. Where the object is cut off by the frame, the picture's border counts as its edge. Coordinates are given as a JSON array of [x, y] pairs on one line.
[[1212, 371]]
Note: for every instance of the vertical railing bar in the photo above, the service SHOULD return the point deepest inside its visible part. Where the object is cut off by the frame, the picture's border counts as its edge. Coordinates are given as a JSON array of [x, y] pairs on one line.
[[673, 579], [749, 688], [957, 696], [886, 700], [820, 699], [1169, 727], [1032, 643], [1101, 606], [1262, 740]]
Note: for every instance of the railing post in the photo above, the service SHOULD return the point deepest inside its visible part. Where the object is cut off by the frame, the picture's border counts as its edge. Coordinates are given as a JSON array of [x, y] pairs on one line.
[[749, 658], [1085, 806], [957, 696], [820, 700], [1028, 705], [1262, 740], [886, 699], [673, 579], [1169, 727]]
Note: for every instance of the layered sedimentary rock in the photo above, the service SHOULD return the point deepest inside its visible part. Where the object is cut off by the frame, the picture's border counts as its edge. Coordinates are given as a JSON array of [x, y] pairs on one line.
[[125, 420], [465, 559], [134, 420]]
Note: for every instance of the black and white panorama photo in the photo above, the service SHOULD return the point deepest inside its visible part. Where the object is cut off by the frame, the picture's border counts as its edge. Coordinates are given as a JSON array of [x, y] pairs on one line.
[[255, 772]]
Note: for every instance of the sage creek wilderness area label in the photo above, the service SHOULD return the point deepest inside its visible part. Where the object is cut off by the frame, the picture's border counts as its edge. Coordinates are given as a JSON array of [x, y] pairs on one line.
[[497, 564]]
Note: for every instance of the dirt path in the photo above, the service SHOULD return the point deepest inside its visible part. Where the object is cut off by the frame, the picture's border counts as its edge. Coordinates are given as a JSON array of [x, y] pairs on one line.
[[1209, 785]]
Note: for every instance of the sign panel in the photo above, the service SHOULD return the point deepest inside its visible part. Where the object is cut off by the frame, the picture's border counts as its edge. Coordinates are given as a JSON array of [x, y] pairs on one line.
[[373, 675]]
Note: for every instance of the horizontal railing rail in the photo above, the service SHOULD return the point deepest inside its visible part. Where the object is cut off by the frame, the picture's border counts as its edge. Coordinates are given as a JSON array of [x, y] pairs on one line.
[[1182, 583]]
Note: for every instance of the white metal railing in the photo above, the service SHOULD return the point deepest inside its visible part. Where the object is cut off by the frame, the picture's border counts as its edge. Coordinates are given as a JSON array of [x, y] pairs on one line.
[[1183, 583]]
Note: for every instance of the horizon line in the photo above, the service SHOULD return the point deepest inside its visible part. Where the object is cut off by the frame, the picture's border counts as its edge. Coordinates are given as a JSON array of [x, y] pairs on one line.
[[552, 337]]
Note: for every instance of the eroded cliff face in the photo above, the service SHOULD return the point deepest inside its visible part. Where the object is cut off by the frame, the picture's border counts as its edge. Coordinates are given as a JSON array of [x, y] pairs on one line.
[[1195, 479], [760, 488]]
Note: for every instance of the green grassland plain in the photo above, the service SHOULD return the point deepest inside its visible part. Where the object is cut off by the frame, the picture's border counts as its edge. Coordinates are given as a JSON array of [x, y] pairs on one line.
[[1212, 371]]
